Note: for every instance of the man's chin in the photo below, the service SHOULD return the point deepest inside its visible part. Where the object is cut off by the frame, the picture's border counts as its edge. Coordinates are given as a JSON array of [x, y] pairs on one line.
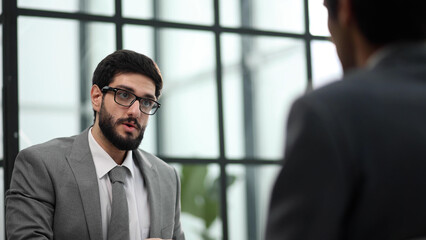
[[129, 135], [127, 144], [129, 140]]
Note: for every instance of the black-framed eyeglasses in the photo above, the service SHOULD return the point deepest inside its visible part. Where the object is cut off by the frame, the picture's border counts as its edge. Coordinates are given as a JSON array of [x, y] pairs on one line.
[[126, 99]]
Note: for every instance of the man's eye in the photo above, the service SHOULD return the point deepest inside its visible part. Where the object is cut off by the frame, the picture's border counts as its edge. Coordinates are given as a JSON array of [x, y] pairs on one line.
[[146, 103], [123, 95]]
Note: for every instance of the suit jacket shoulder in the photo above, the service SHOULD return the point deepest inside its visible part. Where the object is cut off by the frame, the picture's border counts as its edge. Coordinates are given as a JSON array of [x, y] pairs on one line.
[[53, 183]]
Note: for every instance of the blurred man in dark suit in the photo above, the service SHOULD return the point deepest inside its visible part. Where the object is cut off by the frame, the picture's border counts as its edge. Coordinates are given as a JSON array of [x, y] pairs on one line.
[[355, 158]]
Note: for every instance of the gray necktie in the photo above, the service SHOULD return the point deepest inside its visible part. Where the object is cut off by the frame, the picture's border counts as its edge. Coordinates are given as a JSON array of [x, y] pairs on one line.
[[118, 228]]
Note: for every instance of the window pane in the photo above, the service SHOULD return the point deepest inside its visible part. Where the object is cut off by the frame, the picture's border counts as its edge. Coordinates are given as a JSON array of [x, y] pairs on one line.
[[101, 7], [318, 18], [187, 11], [49, 75], [189, 111], [141, 39], [276, 15], [233, 98], [138, 8], [326, 67], [230, 13], [248, 192], [200, 185], [97, 41], [261, 78]]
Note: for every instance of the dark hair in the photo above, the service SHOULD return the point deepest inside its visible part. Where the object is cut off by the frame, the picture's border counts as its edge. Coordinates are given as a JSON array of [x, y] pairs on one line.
[[387, 21], [127, 61]]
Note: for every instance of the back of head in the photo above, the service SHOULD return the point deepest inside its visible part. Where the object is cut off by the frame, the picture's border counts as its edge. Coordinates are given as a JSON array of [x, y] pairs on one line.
[[387, 21], [126, 61]]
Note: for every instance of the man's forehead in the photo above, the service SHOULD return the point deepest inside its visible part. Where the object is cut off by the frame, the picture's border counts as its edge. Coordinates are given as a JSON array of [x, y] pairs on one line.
[[135, 83]]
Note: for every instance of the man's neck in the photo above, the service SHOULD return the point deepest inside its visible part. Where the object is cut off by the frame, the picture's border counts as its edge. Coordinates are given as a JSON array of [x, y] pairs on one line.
[[364, 49], [116, 154]]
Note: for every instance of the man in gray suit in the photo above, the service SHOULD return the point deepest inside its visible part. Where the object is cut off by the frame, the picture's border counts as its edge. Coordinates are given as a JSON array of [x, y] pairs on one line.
[[61, 189], [355, 158]]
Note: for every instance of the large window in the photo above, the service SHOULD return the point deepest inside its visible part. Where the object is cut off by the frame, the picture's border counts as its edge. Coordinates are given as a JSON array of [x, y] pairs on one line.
[[231, 70]]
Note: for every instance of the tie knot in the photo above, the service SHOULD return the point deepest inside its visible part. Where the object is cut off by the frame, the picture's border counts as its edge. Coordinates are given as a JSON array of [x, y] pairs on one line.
[[117, 174]]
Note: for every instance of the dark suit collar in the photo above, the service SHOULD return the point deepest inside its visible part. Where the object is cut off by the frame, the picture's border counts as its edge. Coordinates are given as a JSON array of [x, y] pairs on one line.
[[145, 162], [400, 54], [81, 163]]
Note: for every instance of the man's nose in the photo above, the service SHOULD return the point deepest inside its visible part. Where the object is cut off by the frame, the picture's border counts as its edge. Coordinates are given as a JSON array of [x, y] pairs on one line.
[[134, 110]]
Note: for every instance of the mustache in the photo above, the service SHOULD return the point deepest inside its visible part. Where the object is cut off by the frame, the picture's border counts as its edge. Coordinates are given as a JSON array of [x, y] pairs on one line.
[[130, 120]]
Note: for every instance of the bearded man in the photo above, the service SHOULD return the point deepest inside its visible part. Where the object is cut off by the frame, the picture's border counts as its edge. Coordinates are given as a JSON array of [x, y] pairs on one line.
[[99, 185]]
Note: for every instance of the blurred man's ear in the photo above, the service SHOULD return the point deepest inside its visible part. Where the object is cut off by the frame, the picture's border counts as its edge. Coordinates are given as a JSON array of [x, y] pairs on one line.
[[344, 12]]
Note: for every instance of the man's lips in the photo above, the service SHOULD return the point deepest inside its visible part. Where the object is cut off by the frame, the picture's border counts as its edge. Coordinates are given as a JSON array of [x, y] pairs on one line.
[[129, 124]]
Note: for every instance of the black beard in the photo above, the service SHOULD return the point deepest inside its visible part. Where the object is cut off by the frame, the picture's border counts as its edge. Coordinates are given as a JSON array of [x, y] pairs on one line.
[[106, 125]]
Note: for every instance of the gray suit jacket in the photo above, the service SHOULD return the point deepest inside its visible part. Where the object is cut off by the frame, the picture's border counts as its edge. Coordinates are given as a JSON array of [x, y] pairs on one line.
[[54, 193]]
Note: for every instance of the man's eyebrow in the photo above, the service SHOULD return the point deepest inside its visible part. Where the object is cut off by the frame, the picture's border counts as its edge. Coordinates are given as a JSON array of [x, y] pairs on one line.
[[150, 96], [125, 88]]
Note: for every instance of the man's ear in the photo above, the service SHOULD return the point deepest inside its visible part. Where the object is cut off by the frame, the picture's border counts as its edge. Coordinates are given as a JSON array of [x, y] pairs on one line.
[[344, 12], [96, 97]]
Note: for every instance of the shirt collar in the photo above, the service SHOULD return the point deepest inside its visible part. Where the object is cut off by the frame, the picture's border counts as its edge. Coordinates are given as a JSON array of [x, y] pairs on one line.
[[103, 162], [378, 56]]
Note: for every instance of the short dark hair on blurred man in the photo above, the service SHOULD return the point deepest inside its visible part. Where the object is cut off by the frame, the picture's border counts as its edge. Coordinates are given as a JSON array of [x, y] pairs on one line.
[[386, 21]]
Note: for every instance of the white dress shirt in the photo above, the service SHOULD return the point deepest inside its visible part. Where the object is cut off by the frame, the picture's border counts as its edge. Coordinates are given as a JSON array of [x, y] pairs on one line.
[[137, 197]]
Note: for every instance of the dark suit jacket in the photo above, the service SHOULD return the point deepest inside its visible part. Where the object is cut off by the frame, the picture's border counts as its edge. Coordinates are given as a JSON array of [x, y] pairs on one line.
[[54, 193], [355, 159]]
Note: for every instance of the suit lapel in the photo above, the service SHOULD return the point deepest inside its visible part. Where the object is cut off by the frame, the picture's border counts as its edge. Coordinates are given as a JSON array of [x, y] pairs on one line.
[[82, 165], [150, 175]]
